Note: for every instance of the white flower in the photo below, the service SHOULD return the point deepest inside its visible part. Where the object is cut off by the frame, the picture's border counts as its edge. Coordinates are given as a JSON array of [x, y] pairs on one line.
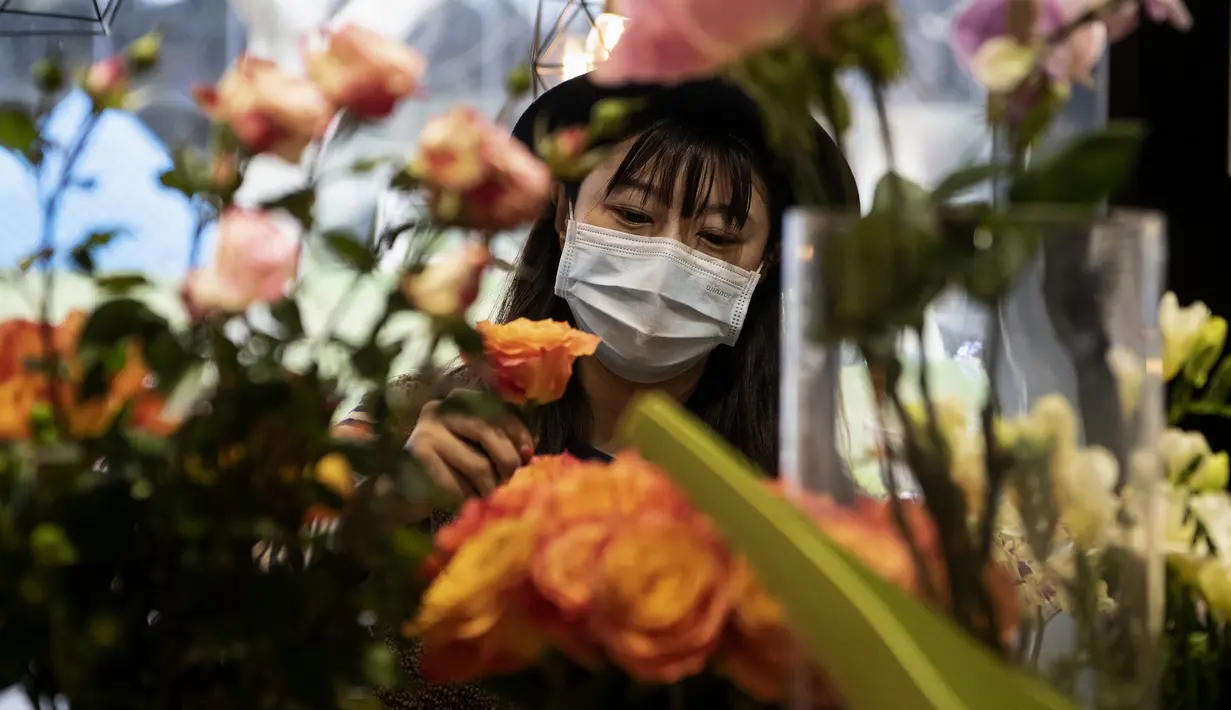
[[1050, 424], [965, 442], [1192, 338], [1129, 371], [1213, 511], [1187, 459], [1084, 486]]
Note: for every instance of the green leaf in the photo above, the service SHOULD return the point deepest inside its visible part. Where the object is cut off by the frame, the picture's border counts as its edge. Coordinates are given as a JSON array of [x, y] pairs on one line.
[[286, 312], [119, 319], [121, 284], [83, 253], [466, 338], [878, 647], [167, 359], [298, 204], [1085, 172], [1220, 385], [346, 247], [373, 361], [964, 179], [28, 262], [17, 130]]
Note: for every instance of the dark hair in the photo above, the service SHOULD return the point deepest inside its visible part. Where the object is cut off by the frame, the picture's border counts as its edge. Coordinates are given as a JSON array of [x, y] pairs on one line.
[[737, 394]]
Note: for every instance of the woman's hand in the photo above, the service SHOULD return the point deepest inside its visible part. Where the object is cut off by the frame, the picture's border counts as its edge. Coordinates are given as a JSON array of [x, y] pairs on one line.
[[467, 455]]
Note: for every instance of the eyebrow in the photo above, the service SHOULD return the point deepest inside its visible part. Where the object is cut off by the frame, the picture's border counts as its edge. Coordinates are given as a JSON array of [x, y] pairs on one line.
[[646, 188]]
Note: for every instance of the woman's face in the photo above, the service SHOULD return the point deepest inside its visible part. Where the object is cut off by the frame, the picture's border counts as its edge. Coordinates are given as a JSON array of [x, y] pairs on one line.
[[634, 209]]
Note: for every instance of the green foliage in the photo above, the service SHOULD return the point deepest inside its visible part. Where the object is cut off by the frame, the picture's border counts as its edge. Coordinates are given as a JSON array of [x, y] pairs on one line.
[[155, 566], [17, 130]]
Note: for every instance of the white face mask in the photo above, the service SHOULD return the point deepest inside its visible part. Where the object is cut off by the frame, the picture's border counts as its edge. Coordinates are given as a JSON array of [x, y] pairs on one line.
[[659, 306]]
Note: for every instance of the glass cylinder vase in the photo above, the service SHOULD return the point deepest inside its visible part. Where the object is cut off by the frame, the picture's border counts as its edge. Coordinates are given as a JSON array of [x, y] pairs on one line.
[[1007, 367]]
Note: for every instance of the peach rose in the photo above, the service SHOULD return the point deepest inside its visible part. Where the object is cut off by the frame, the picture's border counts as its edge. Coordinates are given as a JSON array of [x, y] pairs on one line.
[[661, 599], [476, 175], [449, 284], [532, 361], [269, 111], [256, 258], [365, 72], [469, 619]]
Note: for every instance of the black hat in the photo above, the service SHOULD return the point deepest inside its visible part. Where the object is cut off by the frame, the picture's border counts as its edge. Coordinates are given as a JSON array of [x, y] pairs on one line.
[[713, 102]]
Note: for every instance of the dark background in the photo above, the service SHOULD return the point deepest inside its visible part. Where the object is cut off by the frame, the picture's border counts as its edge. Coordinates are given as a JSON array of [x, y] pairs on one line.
[[1178, 84]]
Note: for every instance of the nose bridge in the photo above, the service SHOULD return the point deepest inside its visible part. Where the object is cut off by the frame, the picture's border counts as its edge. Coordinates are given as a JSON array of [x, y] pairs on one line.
[[678, 228]]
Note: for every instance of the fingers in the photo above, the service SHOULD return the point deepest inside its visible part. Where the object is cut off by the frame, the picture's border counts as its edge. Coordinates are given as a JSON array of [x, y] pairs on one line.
[[495, 441], [450, 461], [437, 470], [475, 468], [521, 437]]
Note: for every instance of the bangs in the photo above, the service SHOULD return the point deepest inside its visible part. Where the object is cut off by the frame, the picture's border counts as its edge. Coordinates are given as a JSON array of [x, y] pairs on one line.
[[714, 169]]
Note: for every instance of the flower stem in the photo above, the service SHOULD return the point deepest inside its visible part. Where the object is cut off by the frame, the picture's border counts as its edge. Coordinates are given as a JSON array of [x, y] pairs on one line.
[[48, 244]]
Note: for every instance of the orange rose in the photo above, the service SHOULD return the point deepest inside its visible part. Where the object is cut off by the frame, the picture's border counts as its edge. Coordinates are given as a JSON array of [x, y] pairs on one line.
[[662, 596], [269, 111], [561, 572], [758, 653], [547, 470], [532, 361], [24, 385], [365, 72], [628, 486], [469, 619]]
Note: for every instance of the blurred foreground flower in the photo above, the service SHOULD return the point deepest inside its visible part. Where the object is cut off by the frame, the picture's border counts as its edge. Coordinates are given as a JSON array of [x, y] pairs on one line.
[[609, 561], [269, 111], [449, 284], [476, 175], [257, 257], [532, 361], [365, 72], [26, 385], [670, 41], [1003, 42]]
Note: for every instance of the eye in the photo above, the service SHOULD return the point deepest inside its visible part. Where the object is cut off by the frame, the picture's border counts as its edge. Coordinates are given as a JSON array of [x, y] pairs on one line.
[[631, 217], [717, 240]]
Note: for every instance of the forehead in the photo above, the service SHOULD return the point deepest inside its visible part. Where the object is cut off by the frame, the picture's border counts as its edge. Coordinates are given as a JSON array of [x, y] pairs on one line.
[[688, 176]]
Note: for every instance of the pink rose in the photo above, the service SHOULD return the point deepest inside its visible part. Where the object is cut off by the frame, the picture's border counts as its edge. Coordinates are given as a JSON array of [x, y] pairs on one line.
[[478, 176], [669, 41], [257, 256], [107, 81], [269, 111], [450, 284], [366, 72]]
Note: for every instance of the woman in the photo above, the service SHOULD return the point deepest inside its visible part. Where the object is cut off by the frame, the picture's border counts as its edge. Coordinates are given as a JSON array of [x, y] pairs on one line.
[[668, 251]]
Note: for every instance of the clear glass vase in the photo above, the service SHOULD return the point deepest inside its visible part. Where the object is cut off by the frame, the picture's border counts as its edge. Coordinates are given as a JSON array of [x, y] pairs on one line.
[[1054, 319]]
